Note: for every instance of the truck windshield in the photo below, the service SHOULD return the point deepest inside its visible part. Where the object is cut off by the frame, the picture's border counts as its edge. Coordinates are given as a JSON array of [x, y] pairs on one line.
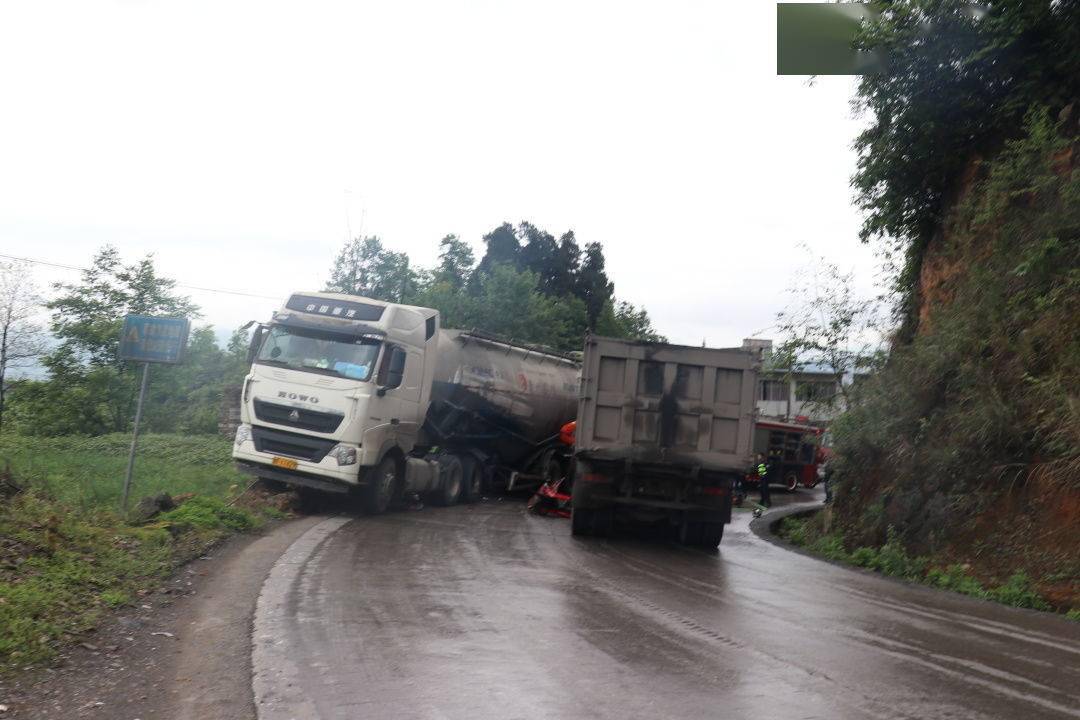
[[320, 352]]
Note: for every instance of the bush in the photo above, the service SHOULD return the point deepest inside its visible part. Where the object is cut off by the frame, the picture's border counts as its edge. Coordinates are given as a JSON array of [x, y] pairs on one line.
[[210, 513], [865, 557], [830, 546], [1019, 592], [955, 578], [794, 530]]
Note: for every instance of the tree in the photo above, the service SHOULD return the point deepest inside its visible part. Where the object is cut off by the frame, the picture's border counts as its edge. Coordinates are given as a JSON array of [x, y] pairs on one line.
[[539, 255], [364, 267], [87, 319], [21, 339], [456, 261], [959, 83], [501, 247], [567, 259], [622, 320], [831, 326], [594, 288]]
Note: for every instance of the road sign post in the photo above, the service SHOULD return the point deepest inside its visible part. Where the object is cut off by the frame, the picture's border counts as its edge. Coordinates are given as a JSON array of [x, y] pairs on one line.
[[135, 434], [149, 340]]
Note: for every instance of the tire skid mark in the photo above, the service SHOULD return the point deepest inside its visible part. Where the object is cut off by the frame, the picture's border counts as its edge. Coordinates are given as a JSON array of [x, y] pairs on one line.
[[978, 624], [690, 628], [275, 675]]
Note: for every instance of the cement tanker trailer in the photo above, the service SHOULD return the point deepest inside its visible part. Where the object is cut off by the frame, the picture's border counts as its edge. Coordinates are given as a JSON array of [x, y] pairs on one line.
[[348, 394]]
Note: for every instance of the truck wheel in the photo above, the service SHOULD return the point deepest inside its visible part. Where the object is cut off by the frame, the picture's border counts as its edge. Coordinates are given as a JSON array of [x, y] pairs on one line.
[[603, 522], [452, 476], [690, 533], [711, 535], [472, 487], [791, 480], [382, 488], [581, 522]]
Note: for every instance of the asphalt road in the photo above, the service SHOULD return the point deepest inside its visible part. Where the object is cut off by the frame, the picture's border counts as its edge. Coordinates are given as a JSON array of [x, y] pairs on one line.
[[484, 612]]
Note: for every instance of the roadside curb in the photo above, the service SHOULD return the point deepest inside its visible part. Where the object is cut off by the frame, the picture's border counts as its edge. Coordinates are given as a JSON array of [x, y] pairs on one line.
[[765, 526]]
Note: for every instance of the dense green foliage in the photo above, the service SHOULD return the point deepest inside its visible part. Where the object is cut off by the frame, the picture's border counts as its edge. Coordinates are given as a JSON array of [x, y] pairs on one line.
[[88, 472], [968, 171], [527, 285], [959, 83], [892, 559], [60, 570], [987, 393]]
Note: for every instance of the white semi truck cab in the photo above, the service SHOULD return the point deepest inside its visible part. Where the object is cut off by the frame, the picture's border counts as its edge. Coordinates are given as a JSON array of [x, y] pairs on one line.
[[347, 394]]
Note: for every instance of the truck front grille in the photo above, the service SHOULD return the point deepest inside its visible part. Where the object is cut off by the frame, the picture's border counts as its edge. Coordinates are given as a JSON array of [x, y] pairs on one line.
[[302, 447], [314, 420]]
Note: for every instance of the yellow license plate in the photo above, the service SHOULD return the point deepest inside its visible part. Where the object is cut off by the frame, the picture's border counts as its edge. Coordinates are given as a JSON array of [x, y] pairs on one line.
[[284, 462]]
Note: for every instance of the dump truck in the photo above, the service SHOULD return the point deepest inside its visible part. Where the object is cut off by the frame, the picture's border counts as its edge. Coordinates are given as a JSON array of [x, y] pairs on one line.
[[663, 433], [352, 395]]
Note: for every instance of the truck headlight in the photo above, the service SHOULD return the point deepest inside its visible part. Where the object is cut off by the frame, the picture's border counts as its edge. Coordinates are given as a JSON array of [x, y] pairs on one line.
[[344, 454], [243, 434]]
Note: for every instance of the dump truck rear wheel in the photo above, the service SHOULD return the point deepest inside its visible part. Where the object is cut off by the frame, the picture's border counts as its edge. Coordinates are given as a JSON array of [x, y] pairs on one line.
[[711, 535], [581, 522], [603, 522], [690, 533]]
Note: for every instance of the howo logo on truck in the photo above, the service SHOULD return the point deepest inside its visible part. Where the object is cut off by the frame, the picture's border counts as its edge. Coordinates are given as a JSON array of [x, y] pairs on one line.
[[302, 398]]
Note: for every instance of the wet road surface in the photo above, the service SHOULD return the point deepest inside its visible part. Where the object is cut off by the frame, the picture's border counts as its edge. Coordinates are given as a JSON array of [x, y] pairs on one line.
[[484, 612]]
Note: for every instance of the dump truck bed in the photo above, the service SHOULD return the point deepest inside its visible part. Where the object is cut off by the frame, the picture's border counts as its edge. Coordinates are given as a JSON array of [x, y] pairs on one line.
[[666, 404]]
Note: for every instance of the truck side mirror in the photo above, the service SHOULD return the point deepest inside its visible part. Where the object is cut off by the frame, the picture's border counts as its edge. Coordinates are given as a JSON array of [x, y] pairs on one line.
[[256, 342], [396, 371]]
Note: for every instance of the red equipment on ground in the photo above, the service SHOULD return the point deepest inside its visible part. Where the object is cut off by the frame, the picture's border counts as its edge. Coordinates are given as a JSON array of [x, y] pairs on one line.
[[550, 499]]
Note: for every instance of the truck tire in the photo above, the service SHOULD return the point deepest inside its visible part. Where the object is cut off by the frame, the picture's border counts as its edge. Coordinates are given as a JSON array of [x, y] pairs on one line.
[[791, 480], [451, 480], [472, 487], [581, 522], [690, 533], [711, 535], [383, 487], [603, 522]]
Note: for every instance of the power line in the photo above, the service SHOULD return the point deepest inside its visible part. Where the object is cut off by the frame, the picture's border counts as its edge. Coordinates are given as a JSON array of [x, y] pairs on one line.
[[181, 285]]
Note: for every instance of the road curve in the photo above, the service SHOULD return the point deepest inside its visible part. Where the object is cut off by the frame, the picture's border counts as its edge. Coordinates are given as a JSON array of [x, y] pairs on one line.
[[481, 611]]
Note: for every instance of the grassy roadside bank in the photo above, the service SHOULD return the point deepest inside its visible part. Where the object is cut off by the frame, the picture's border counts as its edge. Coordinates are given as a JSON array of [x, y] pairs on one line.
[[66, 554], [814, 534]]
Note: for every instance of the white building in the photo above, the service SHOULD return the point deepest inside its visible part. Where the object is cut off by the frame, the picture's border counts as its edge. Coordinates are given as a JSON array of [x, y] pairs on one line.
[[799, 396]]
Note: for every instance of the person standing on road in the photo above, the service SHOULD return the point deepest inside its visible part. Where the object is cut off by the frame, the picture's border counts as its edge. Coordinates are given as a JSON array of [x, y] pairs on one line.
[[763, 481]]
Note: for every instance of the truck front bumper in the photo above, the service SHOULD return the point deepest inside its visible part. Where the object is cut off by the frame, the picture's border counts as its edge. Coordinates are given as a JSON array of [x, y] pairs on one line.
[[325, 475]]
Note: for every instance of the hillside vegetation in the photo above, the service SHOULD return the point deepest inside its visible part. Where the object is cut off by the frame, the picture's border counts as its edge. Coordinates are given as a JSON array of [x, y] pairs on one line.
[[965, 448]]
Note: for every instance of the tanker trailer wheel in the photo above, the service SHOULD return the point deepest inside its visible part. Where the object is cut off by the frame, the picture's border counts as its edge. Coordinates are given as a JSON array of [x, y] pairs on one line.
[[791, 480], [453, 478], [472, 488], [382, 488]]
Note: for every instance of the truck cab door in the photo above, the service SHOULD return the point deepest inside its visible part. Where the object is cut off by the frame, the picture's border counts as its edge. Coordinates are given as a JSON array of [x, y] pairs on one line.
[[397, 401]]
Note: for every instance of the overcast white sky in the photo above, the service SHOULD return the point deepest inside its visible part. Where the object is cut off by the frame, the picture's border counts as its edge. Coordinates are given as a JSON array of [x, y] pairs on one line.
[[232, 140]]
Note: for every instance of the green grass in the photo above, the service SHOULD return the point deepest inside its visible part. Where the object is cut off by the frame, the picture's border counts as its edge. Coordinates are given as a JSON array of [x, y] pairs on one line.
[[66, 554], [88, 472], [891, 559]]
